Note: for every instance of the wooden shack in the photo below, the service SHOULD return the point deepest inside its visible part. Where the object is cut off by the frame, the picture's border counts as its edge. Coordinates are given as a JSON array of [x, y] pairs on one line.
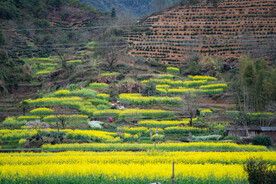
[[252, 130]]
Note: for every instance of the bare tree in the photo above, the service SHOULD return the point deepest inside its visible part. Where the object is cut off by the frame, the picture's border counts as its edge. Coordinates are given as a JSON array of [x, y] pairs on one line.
[[190, 105], [109, 46]]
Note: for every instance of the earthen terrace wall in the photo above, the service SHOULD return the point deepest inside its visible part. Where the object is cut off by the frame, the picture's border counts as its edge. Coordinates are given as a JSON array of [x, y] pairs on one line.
[[229, 28]]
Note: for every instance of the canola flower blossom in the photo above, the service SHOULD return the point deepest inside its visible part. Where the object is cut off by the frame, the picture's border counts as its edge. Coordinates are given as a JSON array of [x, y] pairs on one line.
[[95, 135], [161, 124], [126, 167], [51, 101], [194, 83], [200, 77], [173, 70], [62, 93], [144, 131], [165, 76], [28, 118], [74, 61], [169, 82], [199, 146], [214, 86], [133, 113], [98, 85], [148, 157], [140, 100], [42, 111], [121, 173]]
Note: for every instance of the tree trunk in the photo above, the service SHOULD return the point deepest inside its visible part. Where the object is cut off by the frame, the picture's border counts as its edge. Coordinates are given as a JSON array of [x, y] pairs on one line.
[[246, 129], [57, 126], [191, 119]]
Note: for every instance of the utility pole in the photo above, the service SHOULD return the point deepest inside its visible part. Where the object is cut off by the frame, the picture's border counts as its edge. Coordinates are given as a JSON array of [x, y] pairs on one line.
[[173, 173]]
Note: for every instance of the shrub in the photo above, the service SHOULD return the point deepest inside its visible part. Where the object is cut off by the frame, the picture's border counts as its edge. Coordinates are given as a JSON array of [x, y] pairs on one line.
[[109, 74], [28, 118], [199, 77], [260, 115], [233, 138], [22, 141], [62, 93], [205, 112], [162, 91], [53, 118], [95, 125], [88, 93], [262, 140], [74, 62], [102, 107], [103, 96], [259, 171], [185, 130], [42, 111], [165, 76], [98, 101], [164, 86], [214, 86], [173, 70], [11, 123], [51, 101], [161, 124], [98, 85], [169, 82], [207, 137], [158, 138], [139, 100], [189, 84]]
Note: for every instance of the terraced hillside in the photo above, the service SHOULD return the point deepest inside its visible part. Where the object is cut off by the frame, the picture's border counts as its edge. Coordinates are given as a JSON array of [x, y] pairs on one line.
[[31, 27], [227, 28]]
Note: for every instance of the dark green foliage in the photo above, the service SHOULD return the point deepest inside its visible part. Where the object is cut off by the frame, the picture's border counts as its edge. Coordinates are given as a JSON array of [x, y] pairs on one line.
[[31, 21], [8, 10], [41, 23], [259, 171], [54, 3], [2, 38], [150, 89], [256, 86], [11, 73], [113, 13], [191, 68], [188, 2], [262, 140], [243, 119]]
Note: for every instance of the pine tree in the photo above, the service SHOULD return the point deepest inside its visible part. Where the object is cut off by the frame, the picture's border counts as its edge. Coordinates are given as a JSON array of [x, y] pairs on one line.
[[113, 13]]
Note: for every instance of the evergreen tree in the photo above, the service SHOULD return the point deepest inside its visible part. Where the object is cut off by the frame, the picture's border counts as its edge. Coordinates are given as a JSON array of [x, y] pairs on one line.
[[113, 13], [257, 85]]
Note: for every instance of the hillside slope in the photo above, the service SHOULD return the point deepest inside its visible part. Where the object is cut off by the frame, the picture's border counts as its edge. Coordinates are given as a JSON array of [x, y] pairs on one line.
[[136, 8], [226, 29], [31, 27]]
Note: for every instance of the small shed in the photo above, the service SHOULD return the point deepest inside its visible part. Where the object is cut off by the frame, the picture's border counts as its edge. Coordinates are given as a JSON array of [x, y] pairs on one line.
[[252, 130], [269, 131], [241, 132]]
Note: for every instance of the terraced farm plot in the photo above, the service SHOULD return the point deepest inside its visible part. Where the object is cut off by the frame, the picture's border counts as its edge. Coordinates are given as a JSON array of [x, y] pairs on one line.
[[126, 167]]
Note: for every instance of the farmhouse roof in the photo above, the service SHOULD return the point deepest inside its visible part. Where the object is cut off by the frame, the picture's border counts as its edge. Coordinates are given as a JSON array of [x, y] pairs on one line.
[[268, 129]]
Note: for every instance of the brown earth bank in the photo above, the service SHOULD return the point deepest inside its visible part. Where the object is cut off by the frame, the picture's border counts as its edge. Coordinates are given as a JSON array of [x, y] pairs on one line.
[[226, 29]]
